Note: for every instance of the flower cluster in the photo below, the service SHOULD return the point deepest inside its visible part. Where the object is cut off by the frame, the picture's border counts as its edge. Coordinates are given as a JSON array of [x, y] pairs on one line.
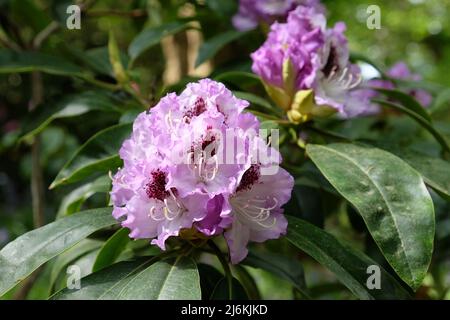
[[305, 65], [253, 12], [195, 163]]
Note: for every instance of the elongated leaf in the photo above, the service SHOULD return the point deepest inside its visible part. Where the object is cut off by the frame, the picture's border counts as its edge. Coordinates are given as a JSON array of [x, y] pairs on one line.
[[392, 199], [98, 59], [441, 102], [419, 119], [71, 106], [22, 256], [111, 250], [152, 36], [239, 78], [285, 268], [211, 46], [98, 155], [11, 61], [173, 279], [349, 265], [99, 284], [407, 101], [72, 202], [222, 291], [435, 171], [256, 100], [81, 248], [209, 278], [247, 281]]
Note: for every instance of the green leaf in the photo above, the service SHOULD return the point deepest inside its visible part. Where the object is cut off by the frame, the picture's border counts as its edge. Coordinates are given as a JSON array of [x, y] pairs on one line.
[[28, 12], [238, 78], [441, 102], [173, 279], [222, 291], [349, 265], [153, 36], [247, 281], [11, 61], [419, 119], [84, 264], [64, 259], [101, 284], [211, 46], [434, 171], [407, 101], [112, 249], [257, 100], [98, 155], [21, 257], [209, 277], [288, 269], [72, 202], [115, 60], [71, 106], [98, 60], [391, 198]]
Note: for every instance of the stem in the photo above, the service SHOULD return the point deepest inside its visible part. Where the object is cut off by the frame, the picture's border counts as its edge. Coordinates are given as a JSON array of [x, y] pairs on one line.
[[101, 84], [225, 266], [45, 33]]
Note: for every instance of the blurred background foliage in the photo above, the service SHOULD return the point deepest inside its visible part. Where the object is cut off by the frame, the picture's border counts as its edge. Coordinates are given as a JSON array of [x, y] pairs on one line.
[[416, 31]]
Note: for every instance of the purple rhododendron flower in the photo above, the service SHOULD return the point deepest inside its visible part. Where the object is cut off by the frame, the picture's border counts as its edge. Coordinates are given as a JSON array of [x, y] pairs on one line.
[[318, 59], [253, 12], [398, 71], [190, 163]]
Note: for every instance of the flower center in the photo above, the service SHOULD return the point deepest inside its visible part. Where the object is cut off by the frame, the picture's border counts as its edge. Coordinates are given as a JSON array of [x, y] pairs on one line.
[[249, 178], [156, 189], [198, 108], [202, 158]]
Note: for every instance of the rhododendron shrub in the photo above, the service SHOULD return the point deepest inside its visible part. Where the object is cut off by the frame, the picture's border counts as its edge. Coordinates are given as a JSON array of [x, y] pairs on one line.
[[220, 150]]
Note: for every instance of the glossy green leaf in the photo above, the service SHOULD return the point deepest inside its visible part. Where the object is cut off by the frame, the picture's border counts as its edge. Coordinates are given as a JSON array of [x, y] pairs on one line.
[[100, 285], [70, 106], [286, 268], [73, 201], [238, 78], [392, 199], [349, 265], [112, 249], [222, 291], [11, 61], [64, 259], [435, 171], [406, 100], [212, 46], [209, 278], [84, 265], [419, 119], [172, 279], [152, 36], [247, 281], [21, 257], [258, 101], [98, 60], [98, 155]]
